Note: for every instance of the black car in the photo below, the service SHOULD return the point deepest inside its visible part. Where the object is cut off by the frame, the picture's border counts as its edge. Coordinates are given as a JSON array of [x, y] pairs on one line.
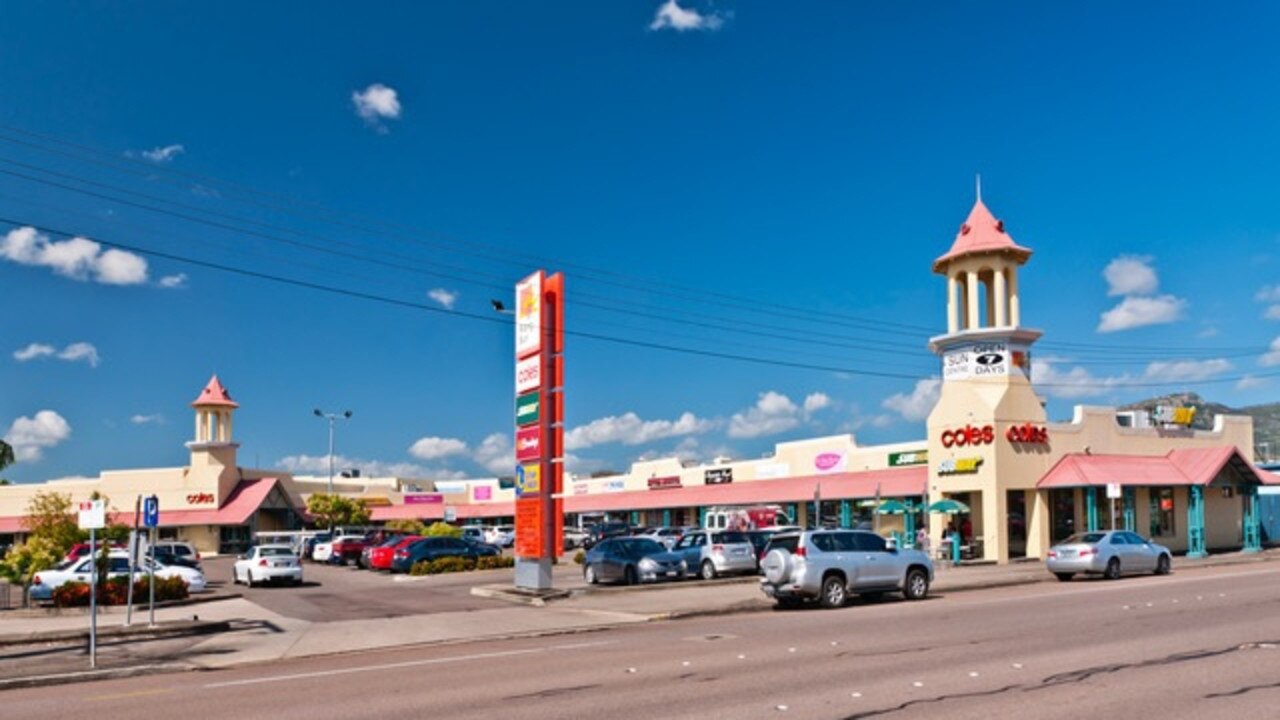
[[433, 548], [604, 531], [165, 556]]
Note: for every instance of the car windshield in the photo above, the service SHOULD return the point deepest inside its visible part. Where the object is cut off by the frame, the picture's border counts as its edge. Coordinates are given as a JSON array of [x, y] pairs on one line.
[[274, 551], [730, 537], [1091, 538], [644, 547]]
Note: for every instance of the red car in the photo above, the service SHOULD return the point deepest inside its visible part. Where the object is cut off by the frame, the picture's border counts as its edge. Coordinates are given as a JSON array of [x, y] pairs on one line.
[[380, 557], [79, 550], [347, 550]]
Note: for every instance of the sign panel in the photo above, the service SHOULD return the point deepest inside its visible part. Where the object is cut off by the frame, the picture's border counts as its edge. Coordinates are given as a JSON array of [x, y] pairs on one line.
[[528, 444], [528, 374], [900, 459], [984, 359], [1113, 491], [959, 466], [615, 486], [766, 471], [529, 527], [450, 513], [718, 476], [92, 515], [424, 499], [829, 462], [527, 408], [481, 492], [529, 315], [151, 512], [664, 483], [528, 480]]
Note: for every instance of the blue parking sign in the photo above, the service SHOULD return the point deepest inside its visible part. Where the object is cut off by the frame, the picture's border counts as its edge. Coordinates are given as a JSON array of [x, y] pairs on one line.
[[151, 511]]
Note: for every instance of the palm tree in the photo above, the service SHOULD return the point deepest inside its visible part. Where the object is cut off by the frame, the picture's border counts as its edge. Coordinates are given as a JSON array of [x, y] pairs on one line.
[[6, 455]]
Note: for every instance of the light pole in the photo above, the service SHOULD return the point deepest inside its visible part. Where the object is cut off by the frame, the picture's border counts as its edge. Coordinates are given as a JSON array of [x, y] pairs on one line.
[[332, 417]]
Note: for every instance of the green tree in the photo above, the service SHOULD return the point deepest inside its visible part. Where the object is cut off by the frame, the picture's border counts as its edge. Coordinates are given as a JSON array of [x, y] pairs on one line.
[[51, 531], [408, 527], [331, 510], [443, 529], [7, 457]]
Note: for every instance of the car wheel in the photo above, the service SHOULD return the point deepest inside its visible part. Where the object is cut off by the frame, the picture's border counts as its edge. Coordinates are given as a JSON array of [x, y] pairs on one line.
[[248, 578], [1113, 569], [629, 576], [916, 586], [834, 593], [589, 575], [708, 570], [1163, 565], [1064, 577]]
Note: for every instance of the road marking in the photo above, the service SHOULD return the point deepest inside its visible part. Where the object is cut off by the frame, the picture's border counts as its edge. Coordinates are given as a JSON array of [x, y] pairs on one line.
[[1096, 587], [392, 666], [135, 693]]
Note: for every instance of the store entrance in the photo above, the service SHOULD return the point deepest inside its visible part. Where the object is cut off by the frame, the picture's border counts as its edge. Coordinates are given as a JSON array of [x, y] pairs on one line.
[[1016, 522], [1062, 505]]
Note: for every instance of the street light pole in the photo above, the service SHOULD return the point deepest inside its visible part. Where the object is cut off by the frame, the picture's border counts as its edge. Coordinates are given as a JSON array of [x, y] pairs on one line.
[[332, 418]]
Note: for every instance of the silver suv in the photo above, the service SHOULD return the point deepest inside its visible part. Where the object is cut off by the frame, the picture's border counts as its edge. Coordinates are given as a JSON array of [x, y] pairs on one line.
[[829, 565], [711, 553]]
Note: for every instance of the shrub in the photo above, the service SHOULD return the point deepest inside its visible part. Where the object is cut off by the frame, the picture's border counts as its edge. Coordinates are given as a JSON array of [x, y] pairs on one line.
[[443, 529], [115, 591], [493, 562], [579, 557], [408, 527]]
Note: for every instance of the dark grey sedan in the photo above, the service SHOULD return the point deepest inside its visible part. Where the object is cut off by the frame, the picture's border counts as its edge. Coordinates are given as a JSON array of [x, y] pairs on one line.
[[631, 560]]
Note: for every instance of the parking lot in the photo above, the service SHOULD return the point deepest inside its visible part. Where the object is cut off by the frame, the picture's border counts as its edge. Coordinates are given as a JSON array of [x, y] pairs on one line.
[[332, 593]]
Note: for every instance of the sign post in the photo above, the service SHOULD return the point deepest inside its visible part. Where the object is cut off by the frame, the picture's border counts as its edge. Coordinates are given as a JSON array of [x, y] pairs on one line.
[[539, 347], [92, 517], [133, 559], [151, 518], [1114, 492]]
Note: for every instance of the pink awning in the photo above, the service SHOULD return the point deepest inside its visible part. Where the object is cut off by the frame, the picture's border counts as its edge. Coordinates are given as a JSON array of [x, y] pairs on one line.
[[1179, 467]]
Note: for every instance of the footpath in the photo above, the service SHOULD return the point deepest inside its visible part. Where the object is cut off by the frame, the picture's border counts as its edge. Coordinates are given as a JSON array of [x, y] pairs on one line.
[[248, 633]]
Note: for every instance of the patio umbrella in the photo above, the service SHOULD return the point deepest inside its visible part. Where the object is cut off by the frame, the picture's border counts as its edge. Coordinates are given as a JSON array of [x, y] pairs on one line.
[[948, 506], [892, 507]]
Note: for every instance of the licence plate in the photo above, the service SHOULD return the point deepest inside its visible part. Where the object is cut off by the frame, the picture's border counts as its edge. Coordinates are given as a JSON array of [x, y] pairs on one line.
[[1068, 553], [671, 573]]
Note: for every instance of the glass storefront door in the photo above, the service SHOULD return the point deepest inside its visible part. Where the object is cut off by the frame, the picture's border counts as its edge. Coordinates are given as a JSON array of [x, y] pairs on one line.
[[1063, 510]]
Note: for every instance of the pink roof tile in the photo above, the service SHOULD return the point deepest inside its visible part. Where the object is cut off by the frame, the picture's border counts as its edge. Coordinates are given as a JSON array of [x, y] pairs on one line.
[[1197, 466], [214, 394], [981, 233]]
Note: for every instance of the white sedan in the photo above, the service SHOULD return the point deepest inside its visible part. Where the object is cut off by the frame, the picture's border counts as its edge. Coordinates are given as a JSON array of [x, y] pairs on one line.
[[81, 570], [267, 563]]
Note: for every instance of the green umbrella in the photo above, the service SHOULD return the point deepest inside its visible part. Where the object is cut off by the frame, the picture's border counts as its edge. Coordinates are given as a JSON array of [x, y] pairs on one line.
[[948, 507], [892, 507]]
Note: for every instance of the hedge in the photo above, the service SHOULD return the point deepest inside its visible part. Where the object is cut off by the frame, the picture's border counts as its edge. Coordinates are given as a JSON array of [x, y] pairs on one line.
[[115, 591], [460, 564]]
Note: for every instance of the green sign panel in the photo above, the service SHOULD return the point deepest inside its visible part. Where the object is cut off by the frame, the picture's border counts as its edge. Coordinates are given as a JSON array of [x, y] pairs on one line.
[[899, 459], [527, 409]]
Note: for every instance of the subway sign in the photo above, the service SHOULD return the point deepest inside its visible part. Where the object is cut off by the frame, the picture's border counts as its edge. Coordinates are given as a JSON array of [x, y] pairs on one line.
[[900, 459], [527, 409], [959, 466]]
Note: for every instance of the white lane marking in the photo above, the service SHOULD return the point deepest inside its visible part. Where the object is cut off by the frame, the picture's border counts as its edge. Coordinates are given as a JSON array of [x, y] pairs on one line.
[[1017, 666], [917, 684], [973, 674], [1098, 587], [392, 666], [857, 695]]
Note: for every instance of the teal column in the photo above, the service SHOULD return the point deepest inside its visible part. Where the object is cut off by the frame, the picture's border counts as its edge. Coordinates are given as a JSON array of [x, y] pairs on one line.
[[955, 548], [1091, 509], [1130, 509], [1252, 520], [666, 518], [635, 517], [909, 525], [702, 517], [1195, 522], [816, 520], [846, 514], [794, 513]]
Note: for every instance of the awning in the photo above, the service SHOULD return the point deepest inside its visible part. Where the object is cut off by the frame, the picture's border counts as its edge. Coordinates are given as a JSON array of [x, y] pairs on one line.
[[894, 482], [1177, 468]]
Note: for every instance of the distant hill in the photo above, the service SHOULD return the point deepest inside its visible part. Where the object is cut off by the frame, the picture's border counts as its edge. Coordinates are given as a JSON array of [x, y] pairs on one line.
[[1266, 418]]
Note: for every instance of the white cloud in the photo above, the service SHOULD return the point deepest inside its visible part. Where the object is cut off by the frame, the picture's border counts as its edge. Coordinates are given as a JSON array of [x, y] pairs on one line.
[[1079, 382], [447, 298], [319, 465], [1130, 275], [1272, 312], [813, 402], [155, 419], [773, 413], [1208, 332], [1134, 312], [1250, 382], [80, 351], [375, 104], [77, 258], [496, 455], [1183, 370], [629, 429], [434, 448], [1268, 294], [1272, 357], [163, 154], [71, 353], [671, 15], [171, 282], [31, 436], [33, 351], [917, 404]]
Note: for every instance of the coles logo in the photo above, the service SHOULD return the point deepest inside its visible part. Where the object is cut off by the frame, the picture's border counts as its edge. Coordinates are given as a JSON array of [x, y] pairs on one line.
[[968, 435], [1029, 434], [200, 498]]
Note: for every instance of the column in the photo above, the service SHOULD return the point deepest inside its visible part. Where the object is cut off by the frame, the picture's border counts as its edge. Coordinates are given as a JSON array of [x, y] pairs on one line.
[[702, 517], [1130, 509], [794, 513], [635, 517], [995, 544], [999, 293], [1195, 522], [971, 303], [1091, 509], [1015, 313], [846, 515], [1252, 520], [909, 525], [953, 310], [1039, 524], [229, 436], [666, 518], [196, 437]]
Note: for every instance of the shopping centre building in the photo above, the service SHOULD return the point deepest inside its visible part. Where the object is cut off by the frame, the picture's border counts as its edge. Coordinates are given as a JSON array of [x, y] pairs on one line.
[[1022, 481]]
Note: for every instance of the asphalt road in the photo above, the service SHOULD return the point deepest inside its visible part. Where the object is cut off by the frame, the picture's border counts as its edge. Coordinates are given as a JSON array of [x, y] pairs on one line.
[[332, 593], [1202, 644]]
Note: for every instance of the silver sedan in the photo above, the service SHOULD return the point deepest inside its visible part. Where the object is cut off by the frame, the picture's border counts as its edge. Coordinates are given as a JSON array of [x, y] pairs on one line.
[[1110, 553]]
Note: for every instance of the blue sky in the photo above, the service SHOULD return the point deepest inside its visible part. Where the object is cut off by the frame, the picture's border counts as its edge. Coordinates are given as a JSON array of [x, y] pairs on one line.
[[771, 168]]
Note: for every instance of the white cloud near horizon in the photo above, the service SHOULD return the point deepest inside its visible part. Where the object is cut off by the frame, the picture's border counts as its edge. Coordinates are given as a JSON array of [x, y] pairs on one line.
[[77, 258], [496, 454], [153, 419], [1251, 382], [31, 436], [75, 352], [813, 402], [319, 465], [916, 405], [671, 15], [173, 282], [1133, 278], [1130, 275], [446, 298], [1077, 381], [773, 413], [630, 429], [434, 448], [377, 103], [1272, 357]]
